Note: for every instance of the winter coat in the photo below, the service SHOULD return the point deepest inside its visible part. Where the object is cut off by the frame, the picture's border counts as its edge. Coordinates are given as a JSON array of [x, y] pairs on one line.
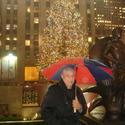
[[57, 105]]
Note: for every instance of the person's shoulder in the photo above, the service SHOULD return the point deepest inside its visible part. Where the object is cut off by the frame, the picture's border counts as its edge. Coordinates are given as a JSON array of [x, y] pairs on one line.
[[53, 87]]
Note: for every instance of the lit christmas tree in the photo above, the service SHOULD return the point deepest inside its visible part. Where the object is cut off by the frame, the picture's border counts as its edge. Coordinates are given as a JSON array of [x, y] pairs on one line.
[[64, 35]]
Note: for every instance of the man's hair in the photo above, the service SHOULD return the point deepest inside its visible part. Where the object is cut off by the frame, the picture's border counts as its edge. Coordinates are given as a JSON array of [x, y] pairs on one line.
[[67, 68]]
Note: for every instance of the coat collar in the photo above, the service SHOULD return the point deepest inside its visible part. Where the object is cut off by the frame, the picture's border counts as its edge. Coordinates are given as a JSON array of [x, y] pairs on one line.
[[63, 86]]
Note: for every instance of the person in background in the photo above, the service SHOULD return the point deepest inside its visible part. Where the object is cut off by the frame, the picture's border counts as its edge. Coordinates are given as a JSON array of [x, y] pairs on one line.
[[64, 103]]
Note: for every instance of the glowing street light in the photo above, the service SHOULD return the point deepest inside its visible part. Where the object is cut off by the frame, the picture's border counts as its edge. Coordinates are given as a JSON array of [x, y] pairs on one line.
[[10, 57]]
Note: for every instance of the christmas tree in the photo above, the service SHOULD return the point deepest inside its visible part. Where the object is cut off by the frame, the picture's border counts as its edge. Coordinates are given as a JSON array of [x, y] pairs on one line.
[[64, 35]]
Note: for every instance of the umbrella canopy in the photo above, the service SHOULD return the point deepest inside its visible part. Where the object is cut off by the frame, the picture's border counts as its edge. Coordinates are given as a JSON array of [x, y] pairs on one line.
[[99, 70], [84, 75]]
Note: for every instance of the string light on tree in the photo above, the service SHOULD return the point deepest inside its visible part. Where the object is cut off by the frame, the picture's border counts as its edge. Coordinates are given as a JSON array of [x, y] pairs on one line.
[[64, 35]]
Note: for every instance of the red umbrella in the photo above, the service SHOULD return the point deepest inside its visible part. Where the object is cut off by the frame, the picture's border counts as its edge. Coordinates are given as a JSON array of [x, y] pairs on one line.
[[83, 75]]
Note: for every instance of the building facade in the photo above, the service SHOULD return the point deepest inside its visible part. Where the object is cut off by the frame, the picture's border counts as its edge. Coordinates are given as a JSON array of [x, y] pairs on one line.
[[103, 16], [21, 26]]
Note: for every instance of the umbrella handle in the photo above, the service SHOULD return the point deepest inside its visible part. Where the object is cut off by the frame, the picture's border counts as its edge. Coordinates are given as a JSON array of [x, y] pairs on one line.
[[75, 108], [75, 97]]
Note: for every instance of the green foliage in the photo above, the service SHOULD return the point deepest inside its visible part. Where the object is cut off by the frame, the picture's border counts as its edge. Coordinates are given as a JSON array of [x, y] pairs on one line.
[[9, 118]]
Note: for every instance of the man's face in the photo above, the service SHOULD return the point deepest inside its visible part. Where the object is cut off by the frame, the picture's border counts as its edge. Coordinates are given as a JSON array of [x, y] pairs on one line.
[[68, 77]]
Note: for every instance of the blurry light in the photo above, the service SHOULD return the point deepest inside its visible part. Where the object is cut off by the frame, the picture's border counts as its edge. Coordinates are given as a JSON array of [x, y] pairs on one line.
[[36, 20], [7, 38], [14, 26], [8, 27], [89, 39], [11, 57], [88, 105], [24, 119], [27, 86], [27, 42], [88, 11], [28, 10], [36, 116], [15, 38]]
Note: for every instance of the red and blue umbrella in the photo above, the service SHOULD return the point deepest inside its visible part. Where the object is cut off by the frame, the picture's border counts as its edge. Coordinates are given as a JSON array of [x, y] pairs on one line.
[[87, 71], [99, 70]]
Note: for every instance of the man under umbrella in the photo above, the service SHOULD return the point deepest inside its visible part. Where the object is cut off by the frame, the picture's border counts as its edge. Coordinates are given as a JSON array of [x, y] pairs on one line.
[[64, 103]]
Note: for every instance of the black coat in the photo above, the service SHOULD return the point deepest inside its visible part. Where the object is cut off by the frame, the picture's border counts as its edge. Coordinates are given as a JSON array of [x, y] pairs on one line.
[[57, 105]]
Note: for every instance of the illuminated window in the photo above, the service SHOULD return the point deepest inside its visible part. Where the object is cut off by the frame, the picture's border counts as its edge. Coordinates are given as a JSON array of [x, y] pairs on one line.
[[30, 96], [27, 42], [7, 38], [31, 74], [14, 48], [8, 7], [7, 47], [15, 26], [36, 20], [88, 11], [15, 38], [28, 10], [8, 27], [89, 39]]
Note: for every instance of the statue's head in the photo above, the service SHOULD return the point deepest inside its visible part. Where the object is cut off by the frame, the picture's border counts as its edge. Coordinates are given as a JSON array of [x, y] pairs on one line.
[[117, 33]]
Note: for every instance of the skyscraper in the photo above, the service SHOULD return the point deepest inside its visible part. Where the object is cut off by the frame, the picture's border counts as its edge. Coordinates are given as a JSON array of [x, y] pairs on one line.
[[104, 16], [21, 25]]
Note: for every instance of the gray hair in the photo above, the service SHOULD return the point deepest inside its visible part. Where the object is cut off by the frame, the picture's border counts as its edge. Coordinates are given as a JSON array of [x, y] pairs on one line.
[[68, 68]]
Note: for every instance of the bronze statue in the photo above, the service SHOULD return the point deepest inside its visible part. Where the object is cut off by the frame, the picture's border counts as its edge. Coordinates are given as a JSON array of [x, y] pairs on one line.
[[111, 51]]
